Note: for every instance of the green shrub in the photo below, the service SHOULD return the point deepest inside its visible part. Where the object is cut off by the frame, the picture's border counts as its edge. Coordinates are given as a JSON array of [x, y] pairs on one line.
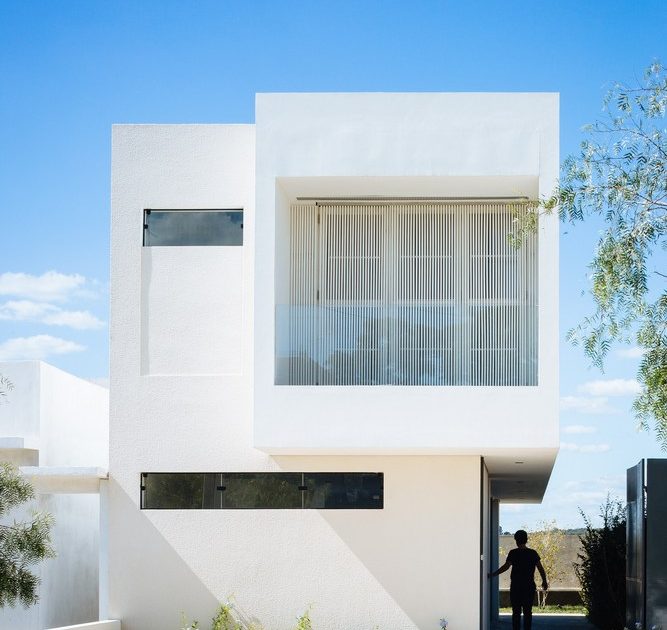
[[224, 619], [303, 622], [601, 568]]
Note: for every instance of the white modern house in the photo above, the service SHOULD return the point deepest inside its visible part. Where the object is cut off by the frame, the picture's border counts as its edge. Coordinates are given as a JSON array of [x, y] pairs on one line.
[[328, 363], [54, 427]]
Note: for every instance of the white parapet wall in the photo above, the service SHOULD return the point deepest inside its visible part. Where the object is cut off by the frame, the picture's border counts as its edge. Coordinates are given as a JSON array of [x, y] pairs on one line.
[[111, 624]]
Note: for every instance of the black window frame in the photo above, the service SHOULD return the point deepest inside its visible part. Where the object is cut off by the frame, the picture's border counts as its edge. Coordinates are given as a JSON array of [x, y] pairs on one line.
[[336, 490]]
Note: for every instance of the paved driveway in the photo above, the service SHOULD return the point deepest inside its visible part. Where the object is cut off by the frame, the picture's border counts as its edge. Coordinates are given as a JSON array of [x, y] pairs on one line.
[[550, 622]]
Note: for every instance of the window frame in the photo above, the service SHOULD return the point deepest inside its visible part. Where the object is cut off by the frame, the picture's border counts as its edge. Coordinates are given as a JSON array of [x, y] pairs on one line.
[[148, 211]]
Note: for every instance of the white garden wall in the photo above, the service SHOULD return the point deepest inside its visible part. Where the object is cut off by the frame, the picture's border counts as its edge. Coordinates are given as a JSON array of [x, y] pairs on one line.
[[64, 419]]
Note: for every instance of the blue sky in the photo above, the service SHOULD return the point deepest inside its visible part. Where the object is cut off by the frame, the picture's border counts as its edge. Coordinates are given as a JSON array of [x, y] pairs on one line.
[[70, 69]]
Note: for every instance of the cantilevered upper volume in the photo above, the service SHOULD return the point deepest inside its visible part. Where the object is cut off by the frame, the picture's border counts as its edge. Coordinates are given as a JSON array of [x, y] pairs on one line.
[[392, 314]]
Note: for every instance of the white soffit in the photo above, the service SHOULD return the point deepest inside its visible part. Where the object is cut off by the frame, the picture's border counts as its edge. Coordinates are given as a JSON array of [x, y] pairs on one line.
[[521, 477]]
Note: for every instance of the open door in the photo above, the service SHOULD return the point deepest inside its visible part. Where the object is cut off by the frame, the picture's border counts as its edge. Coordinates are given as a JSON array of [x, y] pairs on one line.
[[493, 611], [485, 550]]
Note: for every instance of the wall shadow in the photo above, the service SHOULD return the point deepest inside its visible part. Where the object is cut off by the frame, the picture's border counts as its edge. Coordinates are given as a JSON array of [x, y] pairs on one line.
[[423, 547], [149, 583]]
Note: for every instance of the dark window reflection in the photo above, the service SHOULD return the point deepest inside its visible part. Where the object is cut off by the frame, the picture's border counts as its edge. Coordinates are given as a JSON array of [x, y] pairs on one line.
[[238, 491], [331, 491], [260, 490], [178, 491], [193, 227]]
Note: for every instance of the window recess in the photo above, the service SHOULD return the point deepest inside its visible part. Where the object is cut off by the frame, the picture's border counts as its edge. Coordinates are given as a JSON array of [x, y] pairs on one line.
[[409, 293]]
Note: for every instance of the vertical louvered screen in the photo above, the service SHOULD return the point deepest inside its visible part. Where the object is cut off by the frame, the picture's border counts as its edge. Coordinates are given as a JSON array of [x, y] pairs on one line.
[[411, 293]]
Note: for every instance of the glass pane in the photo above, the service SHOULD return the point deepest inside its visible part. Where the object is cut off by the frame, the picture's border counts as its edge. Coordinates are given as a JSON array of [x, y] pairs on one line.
[[229, 491], [193, 227], [259, 491], [178, 491], [331, 491]]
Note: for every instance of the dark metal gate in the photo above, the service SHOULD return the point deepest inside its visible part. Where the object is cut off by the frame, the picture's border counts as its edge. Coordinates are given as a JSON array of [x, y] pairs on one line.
[[635, 551], [646, 569]]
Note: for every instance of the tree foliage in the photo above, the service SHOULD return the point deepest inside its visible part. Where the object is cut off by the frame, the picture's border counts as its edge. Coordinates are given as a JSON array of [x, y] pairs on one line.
[[22, 544], [601, 568], [619, 175], [548, 542]]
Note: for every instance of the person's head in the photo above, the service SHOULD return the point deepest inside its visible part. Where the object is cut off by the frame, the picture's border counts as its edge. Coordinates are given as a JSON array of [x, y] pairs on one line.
[[521, 537]]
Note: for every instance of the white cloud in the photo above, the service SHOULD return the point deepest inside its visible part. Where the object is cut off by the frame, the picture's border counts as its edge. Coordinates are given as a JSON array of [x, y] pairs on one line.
[[604, 484], [22, 310], [632, 352], [36, 347], [26, 310], [588, 494], [596, 400], [586, 404], [584, 448], [513, 507], [594, 496], [81, 320], [611, 387], [51, 286], [563, 503], [577, 429]]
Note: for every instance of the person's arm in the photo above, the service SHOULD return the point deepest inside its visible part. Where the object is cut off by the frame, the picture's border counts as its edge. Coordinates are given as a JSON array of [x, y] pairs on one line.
[[543, 574], [500, 570]]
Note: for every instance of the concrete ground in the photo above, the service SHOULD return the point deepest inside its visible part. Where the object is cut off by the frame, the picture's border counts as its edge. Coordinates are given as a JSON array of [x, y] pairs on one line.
[[549, 622]]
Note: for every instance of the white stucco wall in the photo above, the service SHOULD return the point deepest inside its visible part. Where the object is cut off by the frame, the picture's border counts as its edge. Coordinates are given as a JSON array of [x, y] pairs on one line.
[[74, 420], [357, 568], [69, 592], [66, 419], [188, 395], [20, 411], [190, 326], [400, 568], [62, 417]]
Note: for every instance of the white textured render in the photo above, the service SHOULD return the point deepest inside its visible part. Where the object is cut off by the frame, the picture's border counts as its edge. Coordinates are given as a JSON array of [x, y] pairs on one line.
[[62, 422], [98, 625], [197, 375]]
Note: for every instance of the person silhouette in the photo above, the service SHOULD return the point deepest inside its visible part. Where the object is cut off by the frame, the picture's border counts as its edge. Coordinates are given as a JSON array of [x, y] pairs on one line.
[[523, 561]]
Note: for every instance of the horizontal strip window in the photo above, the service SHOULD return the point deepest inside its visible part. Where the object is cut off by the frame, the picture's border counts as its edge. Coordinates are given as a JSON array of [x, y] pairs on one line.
[[262, 491], [193, 227]]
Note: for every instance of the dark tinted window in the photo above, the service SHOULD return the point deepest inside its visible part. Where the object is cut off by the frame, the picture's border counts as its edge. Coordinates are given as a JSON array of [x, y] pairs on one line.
[[193, 227], [260, 490], [336, 491], [238, 491], [178, 491]]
